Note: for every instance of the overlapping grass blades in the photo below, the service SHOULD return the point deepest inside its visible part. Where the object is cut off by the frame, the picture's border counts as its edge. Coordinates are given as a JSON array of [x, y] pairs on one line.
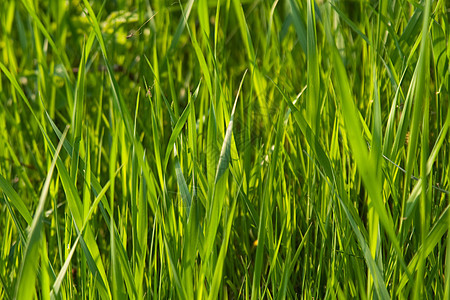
[[325, 173]]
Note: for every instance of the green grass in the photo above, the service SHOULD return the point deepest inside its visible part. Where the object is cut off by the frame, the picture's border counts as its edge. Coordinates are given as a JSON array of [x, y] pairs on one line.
[[224, 149]]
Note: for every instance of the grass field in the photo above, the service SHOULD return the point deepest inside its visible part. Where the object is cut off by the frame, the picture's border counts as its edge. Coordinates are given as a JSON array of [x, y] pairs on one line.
[[224, 149]]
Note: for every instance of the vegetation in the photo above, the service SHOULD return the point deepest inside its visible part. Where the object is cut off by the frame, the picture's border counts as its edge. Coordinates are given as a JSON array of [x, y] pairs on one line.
[[224, 149]]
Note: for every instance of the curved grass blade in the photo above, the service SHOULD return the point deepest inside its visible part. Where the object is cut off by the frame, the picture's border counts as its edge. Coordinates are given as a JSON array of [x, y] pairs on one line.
[[15, 199]]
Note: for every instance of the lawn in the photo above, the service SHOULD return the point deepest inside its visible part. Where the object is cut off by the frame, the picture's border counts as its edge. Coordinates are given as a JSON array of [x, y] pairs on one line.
[[230, 149]]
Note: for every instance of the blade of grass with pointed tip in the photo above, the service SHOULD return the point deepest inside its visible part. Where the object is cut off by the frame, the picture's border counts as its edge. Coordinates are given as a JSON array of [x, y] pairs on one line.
[[203, 13], [273, 262], [89, 245], [157, 83], [62, 273], [156, 134]]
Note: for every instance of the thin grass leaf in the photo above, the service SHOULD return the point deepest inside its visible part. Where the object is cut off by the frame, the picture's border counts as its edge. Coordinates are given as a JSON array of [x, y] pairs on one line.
[[181, 25], [16, 221], [62, 56], [289, 265], [55, 292], [176, 278], [299, 25], [257, 78], [218, 271], [184, 191], [351, 24], [314, 103], [176, 133], [434, 236], [78, 111], [14, 199], [264, 225]]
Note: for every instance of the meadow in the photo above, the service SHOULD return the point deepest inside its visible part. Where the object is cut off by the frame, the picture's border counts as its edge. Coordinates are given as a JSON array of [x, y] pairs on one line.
[[229, 149]]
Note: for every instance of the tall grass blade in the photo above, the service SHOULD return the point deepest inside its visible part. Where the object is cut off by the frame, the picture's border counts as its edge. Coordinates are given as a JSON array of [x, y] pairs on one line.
[[15, 199]]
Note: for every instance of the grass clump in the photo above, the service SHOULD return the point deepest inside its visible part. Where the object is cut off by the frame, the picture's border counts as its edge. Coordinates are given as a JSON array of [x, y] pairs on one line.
[[224, 149]]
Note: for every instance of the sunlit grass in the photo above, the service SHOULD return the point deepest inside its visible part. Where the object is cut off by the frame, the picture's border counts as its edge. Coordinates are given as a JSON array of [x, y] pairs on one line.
[[224, 149]]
